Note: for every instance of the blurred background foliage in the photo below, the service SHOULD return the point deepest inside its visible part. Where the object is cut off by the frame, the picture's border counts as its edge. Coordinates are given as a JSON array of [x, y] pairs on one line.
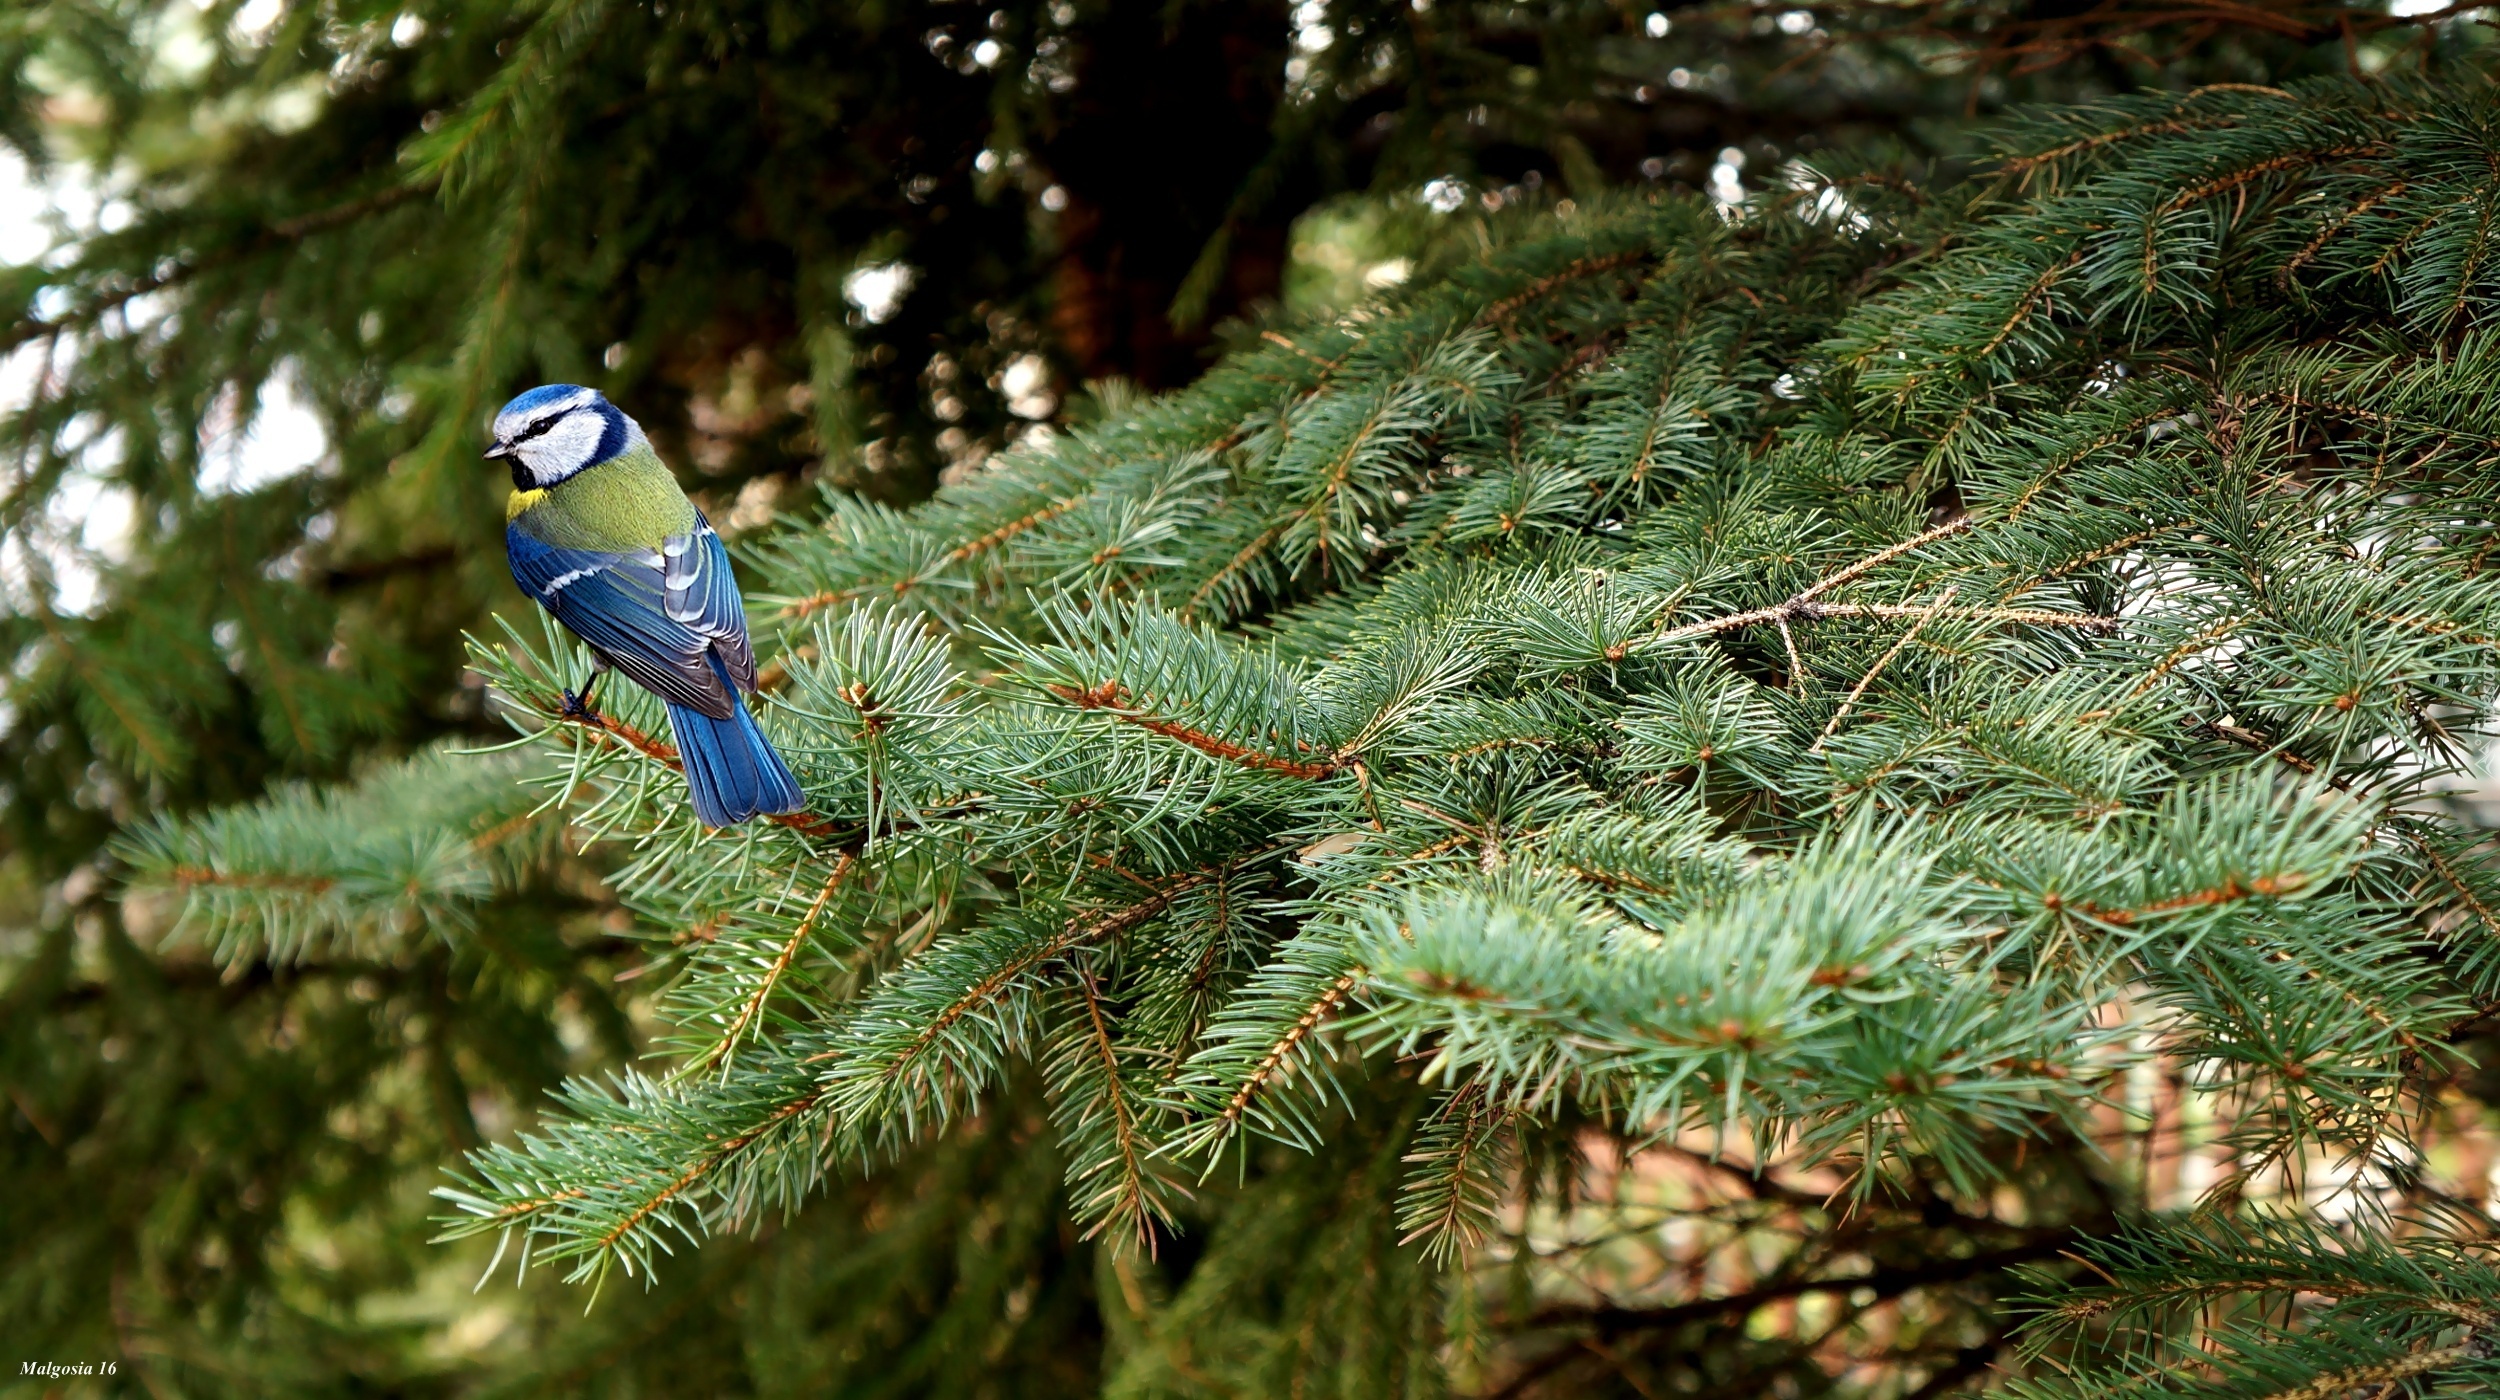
[[288, 255]]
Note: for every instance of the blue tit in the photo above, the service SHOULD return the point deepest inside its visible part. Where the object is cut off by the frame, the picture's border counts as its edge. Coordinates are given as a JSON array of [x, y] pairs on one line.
[[602, 537]]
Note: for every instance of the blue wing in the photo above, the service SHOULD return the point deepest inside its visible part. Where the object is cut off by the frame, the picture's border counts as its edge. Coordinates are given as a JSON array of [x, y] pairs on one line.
[[701, 594], [621, 604]]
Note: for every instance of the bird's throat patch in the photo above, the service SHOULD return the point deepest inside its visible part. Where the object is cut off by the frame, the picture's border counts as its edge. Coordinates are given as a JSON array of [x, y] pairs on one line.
[[521, 501]]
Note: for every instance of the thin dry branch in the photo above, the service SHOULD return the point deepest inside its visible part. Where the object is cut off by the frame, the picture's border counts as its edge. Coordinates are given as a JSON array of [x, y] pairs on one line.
[[1803, 607], [1849, 702], [1886, 555]]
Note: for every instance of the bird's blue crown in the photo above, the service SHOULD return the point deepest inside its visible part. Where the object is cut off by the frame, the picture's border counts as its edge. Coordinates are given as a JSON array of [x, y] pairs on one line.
[[555, 431]]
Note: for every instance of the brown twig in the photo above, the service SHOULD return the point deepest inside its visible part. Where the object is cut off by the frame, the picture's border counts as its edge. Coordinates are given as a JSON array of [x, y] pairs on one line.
[[1278, 1054], [1501, 311], [754, 1007], [1851, 700], [1113, 699], [193, 876]]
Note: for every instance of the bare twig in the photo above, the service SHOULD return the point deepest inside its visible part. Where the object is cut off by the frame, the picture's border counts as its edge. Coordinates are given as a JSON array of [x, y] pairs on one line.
[[1796, 663], [1877, 669], [1885, 556], [1804, 607]]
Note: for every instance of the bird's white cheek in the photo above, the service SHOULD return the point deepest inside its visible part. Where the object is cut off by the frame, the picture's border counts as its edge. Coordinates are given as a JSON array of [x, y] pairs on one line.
[[563, 449]]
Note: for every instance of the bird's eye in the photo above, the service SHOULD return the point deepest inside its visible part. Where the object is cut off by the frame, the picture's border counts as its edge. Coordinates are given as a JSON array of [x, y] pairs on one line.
[[534, 430]]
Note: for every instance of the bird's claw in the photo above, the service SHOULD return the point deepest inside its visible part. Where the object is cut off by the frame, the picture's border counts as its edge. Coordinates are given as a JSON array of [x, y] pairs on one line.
[[577, 706]]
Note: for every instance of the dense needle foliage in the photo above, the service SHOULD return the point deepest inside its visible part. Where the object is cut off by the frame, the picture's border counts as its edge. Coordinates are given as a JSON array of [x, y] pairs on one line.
[[1272, 824], [1830, 685]]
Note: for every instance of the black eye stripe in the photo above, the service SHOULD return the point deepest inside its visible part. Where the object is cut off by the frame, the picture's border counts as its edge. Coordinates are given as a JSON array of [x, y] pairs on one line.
[[537, 428]]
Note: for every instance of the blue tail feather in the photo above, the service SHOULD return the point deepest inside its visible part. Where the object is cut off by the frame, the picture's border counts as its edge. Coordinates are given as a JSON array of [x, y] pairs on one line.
[[732, 771]]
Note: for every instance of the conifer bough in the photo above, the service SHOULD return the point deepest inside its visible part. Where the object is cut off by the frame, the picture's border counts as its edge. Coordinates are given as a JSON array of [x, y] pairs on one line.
[[1850, 677]]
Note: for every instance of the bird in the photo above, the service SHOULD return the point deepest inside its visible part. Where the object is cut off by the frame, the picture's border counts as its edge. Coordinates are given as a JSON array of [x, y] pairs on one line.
[[601, 535]]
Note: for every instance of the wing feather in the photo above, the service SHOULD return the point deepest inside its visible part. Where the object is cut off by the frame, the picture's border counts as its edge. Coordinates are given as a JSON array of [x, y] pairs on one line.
[[702, 596], [617, 602]]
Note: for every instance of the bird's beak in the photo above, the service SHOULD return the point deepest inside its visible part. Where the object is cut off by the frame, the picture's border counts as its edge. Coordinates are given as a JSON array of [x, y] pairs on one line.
[[498, 452]]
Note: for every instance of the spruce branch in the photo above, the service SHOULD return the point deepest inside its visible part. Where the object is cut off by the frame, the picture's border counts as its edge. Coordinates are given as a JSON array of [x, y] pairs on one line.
[[1280, 1056], [277, 234], [924, 1042], [2380, 1374], [1803, 605], [1125, 1194], [1113, 699], [1233, 569], [414, 848], [1500, 312], [802, 607], [1461, 1169], [753, 1008], [1474, 604]]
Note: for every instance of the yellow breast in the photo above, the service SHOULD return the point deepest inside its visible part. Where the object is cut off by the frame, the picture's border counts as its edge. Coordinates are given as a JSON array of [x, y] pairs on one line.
[[521, 501]]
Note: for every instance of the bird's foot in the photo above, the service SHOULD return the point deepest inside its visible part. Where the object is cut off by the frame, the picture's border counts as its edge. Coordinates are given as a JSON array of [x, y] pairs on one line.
[[577, 705]]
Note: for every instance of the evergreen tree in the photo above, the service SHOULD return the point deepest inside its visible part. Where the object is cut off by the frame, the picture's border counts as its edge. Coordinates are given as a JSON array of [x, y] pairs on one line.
[[1243, 822], [1821, 687]]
